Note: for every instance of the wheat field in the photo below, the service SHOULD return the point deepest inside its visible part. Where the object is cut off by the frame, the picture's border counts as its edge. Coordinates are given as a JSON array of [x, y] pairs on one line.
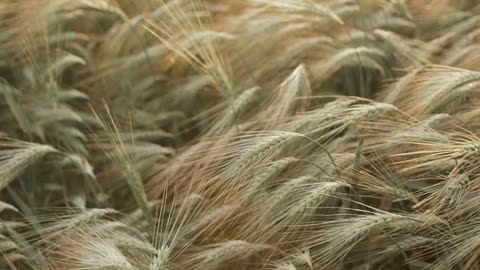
[[247, 134]]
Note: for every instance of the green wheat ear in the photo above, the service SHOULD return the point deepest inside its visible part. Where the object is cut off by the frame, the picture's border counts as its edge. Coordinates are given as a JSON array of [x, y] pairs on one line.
[[16, 156], [122, 159]]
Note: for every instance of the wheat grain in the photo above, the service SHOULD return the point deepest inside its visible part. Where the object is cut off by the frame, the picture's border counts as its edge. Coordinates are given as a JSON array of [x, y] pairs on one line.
[[214, 256], [314, 198]]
